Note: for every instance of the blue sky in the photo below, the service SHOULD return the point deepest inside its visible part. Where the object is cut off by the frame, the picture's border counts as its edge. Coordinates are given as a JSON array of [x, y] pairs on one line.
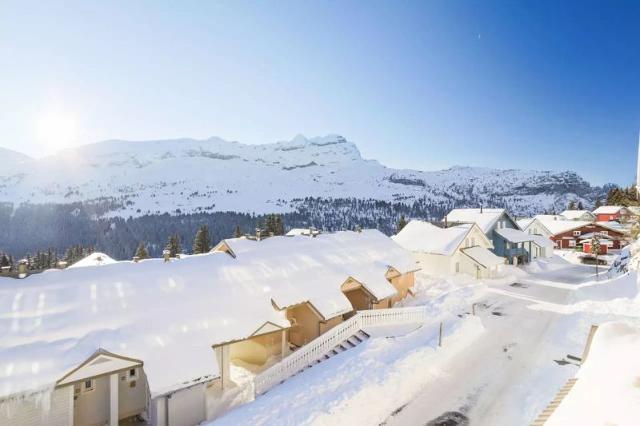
[[425, 85]]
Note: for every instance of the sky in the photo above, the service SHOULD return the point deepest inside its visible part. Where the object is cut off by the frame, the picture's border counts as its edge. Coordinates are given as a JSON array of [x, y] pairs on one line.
[[425, 85]]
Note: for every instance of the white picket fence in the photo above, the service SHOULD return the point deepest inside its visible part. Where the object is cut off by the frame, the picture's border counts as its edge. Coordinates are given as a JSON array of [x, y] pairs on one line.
[[322, 345]]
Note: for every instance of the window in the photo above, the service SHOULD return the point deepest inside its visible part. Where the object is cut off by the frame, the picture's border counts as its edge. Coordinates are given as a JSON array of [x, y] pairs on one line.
[[572, 243], [132, 374], [576, 233], [457, 267], [88, 385], [604, 232]]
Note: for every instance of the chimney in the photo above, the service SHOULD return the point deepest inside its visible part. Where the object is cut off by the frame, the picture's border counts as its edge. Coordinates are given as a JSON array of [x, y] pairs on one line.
[[23, 268], [446, 225], [480, 208], [166, 254], [135, 259]]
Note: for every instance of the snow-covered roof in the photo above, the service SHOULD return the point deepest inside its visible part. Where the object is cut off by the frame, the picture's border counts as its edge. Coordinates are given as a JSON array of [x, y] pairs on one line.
[[524, 223], [169, 314], [484, 218], [590, 236], [420, 236], [302, 231], [94, 259], [313, 269], [542, 241], [558, 226], [166, 314], [514, 235], [483, 256], [608, 209], [616, 226], [606, 391], [576, 214]]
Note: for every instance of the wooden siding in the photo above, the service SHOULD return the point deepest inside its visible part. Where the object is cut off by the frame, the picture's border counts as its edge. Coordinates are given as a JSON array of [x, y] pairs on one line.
[[563, 239]]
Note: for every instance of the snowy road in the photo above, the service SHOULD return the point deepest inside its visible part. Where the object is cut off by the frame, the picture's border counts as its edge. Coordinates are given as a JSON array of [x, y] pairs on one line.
[[570, 274], [516, 366]]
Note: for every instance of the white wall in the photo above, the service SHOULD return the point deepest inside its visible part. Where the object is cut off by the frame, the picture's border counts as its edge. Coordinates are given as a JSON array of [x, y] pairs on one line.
[[535, 228], [92, 407], [186, 407], [56, 411]]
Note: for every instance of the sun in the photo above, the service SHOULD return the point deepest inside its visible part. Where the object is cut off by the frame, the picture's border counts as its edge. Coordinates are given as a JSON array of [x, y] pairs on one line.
[[56, 130]]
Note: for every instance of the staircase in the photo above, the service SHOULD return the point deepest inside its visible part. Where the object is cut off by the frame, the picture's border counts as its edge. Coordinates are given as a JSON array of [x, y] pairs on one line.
[[351, 342], [337, 340], [564, 391]]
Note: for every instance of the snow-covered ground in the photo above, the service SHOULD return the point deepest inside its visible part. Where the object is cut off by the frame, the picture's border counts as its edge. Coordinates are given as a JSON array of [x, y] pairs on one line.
[[501, 366]]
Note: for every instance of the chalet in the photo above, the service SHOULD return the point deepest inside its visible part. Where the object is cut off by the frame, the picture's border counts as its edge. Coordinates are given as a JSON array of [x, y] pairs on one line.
[[113, 342], [611, 213], [584, 215], [461, 249], [567, 233], [501, 228]]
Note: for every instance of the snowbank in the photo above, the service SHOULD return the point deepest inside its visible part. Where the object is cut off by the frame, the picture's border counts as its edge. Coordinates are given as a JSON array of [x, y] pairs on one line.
[[94, 259], [607, 390]]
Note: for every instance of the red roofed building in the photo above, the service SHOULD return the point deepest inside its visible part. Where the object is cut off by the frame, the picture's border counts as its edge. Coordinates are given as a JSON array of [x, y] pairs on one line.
[[611, 213]]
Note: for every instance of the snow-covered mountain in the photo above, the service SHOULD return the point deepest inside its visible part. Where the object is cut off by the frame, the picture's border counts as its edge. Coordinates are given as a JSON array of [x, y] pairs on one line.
[[187, 175]]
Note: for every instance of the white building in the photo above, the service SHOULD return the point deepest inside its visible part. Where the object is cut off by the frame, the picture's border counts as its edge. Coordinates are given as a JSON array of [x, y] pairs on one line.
[[461, 249], [99, 344]]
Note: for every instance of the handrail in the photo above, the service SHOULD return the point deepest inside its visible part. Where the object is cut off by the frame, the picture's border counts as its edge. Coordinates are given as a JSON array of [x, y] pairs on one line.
[[323, 344]]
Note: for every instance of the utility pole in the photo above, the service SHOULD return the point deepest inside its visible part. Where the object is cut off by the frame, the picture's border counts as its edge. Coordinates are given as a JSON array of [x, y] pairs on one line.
[[595, 248]]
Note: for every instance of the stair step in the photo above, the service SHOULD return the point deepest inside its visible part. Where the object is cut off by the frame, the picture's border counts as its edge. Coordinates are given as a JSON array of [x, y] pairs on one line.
[[354, 341], [348, 344], [363, 334]]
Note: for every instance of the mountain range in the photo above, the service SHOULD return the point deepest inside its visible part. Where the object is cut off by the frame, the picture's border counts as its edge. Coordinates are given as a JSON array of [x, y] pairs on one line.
[[187, 175], [125, 191]]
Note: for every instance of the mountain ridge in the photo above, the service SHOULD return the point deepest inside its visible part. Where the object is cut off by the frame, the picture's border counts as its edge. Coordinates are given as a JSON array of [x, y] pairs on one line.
[[190, 175]]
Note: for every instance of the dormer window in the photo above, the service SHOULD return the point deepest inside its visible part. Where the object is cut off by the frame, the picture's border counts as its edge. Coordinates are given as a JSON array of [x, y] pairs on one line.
[[576, 233]]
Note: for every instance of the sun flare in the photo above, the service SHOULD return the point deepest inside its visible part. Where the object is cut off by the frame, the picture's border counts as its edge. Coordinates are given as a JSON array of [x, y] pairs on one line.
[[56, 130]]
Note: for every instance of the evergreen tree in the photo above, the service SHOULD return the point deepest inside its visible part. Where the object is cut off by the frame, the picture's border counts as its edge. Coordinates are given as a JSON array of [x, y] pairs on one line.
[[141, 252], [580, 206], [202, 242], [173, 245], [238, 232], [401, 223], [4, 260], [278, 225], [598, 203], [572, 205]]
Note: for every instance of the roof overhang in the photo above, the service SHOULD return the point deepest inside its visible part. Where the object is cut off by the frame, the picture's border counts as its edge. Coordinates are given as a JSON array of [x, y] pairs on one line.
[[99, 364]]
